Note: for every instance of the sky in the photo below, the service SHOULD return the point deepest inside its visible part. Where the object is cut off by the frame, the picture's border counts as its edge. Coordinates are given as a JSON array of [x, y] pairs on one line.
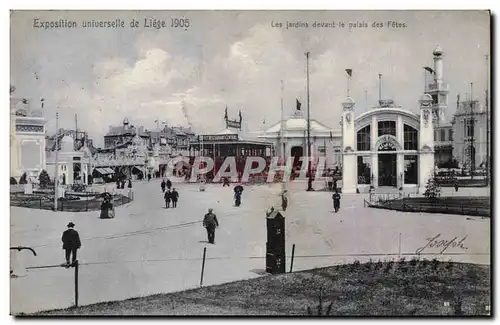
[[187, 76]]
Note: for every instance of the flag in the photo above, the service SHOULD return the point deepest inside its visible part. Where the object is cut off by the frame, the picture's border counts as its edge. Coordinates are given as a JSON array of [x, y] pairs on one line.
[[24, 101], [225, 115], [429, 70], [349, 72], [42, 101], [331, 135], [240, 115], [298, 104]]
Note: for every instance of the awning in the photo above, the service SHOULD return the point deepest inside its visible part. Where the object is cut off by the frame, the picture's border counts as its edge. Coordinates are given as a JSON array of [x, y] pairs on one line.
[[104, 171], [109, 170]]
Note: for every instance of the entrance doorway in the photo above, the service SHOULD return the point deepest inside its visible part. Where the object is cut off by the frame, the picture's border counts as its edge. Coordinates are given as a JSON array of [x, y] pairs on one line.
[[296, 153], [387, 173]]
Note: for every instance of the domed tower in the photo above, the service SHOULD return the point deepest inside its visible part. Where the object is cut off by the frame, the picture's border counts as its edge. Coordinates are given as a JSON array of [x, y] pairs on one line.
[[125, 124], [438, 89]]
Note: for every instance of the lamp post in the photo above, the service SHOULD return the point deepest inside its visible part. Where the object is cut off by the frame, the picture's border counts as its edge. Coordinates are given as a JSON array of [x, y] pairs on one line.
[[309, 181]]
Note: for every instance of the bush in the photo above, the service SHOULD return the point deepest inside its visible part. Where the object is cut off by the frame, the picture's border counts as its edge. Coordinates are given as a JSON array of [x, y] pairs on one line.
[[13, 181], [432, 189], [78, 188], [44, 179], [23, 179]]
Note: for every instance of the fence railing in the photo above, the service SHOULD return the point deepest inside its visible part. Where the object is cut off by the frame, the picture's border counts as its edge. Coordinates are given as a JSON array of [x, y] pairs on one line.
[[73, 202]]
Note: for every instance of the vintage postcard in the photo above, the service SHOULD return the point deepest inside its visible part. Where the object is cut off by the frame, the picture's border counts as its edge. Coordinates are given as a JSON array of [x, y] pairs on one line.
[[290, 163]]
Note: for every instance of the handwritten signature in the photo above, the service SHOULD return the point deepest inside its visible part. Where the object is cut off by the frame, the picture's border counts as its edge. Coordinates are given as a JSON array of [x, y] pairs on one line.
[[437, 242]]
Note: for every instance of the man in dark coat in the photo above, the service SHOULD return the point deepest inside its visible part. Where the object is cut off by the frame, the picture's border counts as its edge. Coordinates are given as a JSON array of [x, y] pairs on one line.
[[210, 222], [71, 243], [129, 183], [284, 200], [169, 184], [238, 189], [175, 198], [167, 197], [336, 200], [163, 185]]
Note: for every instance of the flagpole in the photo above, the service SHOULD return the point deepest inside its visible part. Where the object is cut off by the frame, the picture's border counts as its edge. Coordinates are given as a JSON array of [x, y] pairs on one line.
[[309, 182], [379, 87], [348, 80], [282, 139], [56, 171]]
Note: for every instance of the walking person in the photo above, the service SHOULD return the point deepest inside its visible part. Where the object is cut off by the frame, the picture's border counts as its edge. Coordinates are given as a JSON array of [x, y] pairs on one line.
[[129, 183], [167, 197], [210, 222], [163, 185], [175, 198], [336, 200], [284, 200], [169, 184], [71, 243]]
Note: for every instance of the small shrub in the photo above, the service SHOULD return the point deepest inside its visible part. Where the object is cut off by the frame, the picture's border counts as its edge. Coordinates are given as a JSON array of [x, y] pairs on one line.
[[434, 264], [413, 262], [44, 179], [378, 265], [432, 189], [355, 265], [23, 179], [388, 266], [13, 181], [368, 265]]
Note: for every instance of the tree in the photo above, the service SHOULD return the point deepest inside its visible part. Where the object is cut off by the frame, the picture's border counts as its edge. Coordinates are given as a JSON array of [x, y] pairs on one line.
[[432, 189], [44, 179], [13, 181], [23, 179]]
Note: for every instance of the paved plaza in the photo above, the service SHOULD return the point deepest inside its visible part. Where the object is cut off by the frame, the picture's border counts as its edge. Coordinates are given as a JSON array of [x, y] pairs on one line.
[[148, 249]]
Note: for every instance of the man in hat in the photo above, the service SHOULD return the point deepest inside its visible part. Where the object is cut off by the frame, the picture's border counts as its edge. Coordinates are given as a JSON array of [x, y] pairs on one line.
[[71, 242], [210, 222]]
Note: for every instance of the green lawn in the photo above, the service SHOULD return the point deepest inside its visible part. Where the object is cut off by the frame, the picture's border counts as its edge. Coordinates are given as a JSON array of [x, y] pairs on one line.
[[382, 289]]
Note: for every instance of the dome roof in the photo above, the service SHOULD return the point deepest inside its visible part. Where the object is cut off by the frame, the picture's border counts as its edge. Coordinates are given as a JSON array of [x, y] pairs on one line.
[[299, 124], [438, 50], [227, 131]]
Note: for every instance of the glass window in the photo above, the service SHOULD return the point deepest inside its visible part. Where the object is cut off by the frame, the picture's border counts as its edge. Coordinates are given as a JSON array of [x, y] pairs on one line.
[[411, 169], [443, 135], [387, 127], [363, 139], [450, 135], [364, 170], [469, 127], [410, 138]]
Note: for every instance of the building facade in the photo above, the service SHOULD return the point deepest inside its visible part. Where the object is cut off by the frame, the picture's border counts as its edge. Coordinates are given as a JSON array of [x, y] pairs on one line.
[[27, 146], [325, 142], [74, 165], [470, 130], [387, 146]]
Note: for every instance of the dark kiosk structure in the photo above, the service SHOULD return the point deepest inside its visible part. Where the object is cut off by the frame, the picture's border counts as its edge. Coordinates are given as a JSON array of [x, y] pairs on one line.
[[275, 246]]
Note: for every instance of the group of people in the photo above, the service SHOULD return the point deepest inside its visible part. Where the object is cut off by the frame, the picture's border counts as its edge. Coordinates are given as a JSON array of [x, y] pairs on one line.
[[170, 194]]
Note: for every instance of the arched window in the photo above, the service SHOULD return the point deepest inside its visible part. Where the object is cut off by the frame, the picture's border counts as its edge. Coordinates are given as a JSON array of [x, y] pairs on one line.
[[363, 139], [387, 127], [410, 138]]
